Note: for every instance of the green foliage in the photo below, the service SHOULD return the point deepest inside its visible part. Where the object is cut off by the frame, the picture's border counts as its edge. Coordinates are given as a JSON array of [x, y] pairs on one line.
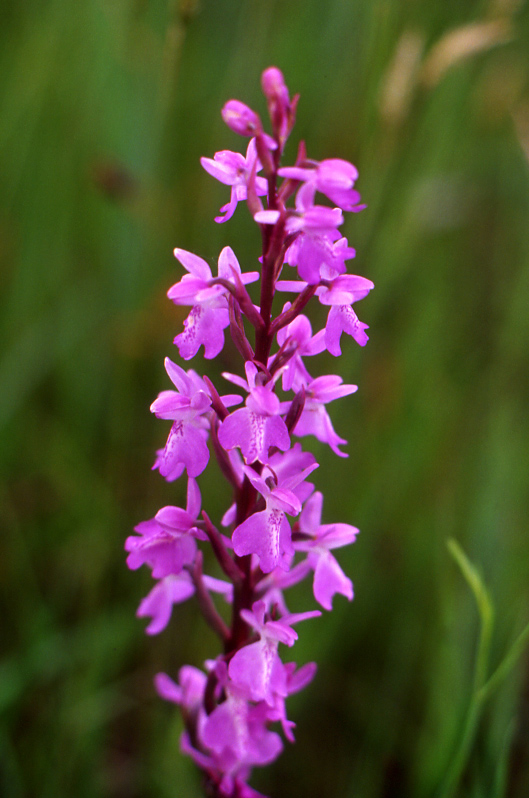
[[106, 109]]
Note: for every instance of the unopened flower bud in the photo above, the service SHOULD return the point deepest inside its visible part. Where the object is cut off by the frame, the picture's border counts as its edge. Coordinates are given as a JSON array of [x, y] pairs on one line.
[[241, 119], [280, 108], [274, 87]]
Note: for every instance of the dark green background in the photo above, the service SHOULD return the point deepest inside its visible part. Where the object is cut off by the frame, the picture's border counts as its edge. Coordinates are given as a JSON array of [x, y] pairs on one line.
[[106, 107]]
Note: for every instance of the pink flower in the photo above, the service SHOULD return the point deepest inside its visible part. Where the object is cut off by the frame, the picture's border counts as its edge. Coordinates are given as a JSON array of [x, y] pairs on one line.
[[297, 338], [267, 533], [342, 318], [314, 419], [333, 177], [158, 604], [189, 693], [175, 589], [257, 668], [258, 426], [235, 170], [318, 540], [236, 733], [296, 680], [186, 445], [209, 316], [317, 242], [166, 542]]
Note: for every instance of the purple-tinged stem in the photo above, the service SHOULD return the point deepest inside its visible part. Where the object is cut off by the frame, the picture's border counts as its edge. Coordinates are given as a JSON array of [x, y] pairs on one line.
[[205, 602], [226, 562]]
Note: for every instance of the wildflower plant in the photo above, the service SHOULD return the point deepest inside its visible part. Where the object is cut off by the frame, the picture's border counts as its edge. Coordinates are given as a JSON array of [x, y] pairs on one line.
[[271, 536]]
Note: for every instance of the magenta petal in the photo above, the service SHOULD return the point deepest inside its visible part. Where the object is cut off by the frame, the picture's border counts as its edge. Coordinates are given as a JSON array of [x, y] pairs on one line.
[[203, 326], [186, 445], [198, 267], [286, 500], [266, 217], [165, 552], [224, 166], [342, 318], [254, 433], [277, 434], [174, 519], [330, 579], [310, 518], [178, 377], [301, 677], [227, 211], [295, 172], [167, 689], [184, 292], [193, 499], [236, 430], [266, 534], [265, 746], [259, 671], [333, 536], [226, 727], [170, 405], [262, 400], [228, 264], [315, 421], [159, 602], [174, 473]]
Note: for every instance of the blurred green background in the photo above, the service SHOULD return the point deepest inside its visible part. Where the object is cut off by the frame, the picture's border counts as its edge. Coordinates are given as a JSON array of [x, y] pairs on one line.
[[106, 107]]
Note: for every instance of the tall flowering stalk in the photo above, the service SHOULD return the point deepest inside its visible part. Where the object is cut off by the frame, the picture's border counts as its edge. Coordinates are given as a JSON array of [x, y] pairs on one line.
[[229, 706]]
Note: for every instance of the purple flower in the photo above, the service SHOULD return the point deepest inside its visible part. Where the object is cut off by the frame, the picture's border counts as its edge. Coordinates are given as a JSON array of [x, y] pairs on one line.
[[317, 241], [343, 289], [297, 338], [232, 738], [158, 604], [296, 680], [288, 466], [188, 694], [333, 177], [318, 539], [314, 419], [166, 542], [257, 668], [186, 445], [175, 589], [229, 776], [270, 588], [209, 316], [235, 170], [236, 733], [342, 318], [258, 426], [267, 533], [340, 292]]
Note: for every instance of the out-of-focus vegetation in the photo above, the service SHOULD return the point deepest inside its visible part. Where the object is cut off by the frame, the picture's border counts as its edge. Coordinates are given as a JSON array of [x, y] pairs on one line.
[[106, 107]]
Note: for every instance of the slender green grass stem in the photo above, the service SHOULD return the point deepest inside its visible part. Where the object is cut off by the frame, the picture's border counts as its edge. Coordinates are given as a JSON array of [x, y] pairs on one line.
[[464, 746]]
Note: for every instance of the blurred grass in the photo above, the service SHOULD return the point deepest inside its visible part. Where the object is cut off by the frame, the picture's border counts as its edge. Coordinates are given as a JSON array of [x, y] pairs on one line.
[[106, 109]]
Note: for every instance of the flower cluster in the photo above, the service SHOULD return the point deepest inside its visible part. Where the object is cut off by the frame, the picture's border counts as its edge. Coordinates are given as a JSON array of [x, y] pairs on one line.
[[272, 535]]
